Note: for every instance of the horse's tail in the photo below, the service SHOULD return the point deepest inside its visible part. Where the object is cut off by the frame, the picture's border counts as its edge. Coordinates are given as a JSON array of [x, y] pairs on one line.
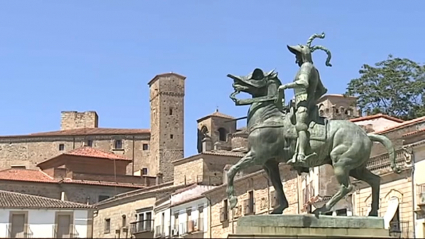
[[390, 148]]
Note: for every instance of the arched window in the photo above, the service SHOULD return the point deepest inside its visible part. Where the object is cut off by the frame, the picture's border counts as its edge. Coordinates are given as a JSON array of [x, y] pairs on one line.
[[321, 112], [204, 130], [222, 134]]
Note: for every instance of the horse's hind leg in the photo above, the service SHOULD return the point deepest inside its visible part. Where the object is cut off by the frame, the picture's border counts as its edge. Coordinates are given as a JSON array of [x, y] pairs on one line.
[[373, 180], [245, 162], [342, 167], [272, 169]]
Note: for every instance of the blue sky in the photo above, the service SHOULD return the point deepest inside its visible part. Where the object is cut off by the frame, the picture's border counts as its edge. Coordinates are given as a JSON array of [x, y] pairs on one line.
[[99, 55]]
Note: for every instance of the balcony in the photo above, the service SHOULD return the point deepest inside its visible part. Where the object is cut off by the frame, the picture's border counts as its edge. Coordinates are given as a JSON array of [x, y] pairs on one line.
[[399, 229], [65, 232], [26, 233], [193, 228], [142, 229]]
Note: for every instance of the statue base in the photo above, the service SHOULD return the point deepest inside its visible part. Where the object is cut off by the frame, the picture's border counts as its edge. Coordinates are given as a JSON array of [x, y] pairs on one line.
[[303, 226]]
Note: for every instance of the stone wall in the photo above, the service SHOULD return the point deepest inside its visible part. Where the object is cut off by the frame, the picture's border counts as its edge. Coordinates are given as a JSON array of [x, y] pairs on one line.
[[394, 185], [167, 122], [263, 197], [213, 124], [30, 151], [78, 120]]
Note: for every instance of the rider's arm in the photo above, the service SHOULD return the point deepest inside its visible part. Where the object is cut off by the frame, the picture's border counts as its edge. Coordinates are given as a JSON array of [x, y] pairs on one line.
[[302, 80]]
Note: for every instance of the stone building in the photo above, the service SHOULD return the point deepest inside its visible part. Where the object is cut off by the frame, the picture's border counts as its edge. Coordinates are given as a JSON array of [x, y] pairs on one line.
[[84, 175], [150, 150]]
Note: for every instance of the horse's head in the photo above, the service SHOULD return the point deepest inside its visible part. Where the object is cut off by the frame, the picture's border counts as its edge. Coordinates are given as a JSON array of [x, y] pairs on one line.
[[255, 84]]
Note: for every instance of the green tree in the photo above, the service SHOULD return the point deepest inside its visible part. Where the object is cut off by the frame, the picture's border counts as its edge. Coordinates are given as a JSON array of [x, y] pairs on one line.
[[395, 87]]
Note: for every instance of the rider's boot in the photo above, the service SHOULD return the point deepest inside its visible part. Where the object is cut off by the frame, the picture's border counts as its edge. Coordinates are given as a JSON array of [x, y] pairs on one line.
[[300, 156]]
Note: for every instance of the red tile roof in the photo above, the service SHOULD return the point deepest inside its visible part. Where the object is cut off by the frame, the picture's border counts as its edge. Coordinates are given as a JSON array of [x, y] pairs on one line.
[[20, 200], [377, 116], [414, 133], [26, 175], [404, 124], [83, 131], [87, 151], [31, 175]]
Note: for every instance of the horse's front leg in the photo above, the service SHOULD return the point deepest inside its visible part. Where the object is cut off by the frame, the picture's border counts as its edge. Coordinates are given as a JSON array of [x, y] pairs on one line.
[[244, 162], [273, 172]]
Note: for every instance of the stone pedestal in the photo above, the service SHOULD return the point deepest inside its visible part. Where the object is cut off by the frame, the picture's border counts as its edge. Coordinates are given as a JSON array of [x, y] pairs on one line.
[[308, 226]]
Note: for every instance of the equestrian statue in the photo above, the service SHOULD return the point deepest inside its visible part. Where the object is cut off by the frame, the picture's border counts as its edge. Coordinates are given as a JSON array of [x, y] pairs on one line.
[[298, 136]]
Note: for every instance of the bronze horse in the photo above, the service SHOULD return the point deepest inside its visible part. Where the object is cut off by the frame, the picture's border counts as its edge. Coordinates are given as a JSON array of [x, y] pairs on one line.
[[272, 139]]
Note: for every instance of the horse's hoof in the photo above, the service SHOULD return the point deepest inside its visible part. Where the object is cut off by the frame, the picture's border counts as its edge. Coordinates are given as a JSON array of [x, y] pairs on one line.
[[319, 211], [233, 202], [278, 210], [373, 213]]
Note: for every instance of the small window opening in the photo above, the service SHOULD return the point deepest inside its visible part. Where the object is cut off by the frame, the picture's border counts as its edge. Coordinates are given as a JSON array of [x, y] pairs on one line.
[[90, 143], [171, 136], [61, 147], [222, 134], [170, 111], [118, 144]]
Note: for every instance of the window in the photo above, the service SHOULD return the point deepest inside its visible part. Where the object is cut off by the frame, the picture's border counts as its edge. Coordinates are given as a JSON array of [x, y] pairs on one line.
[[124, 220], [61, 147], [118, 144], [251, 201], [225, 209], [145, 146], [90, 143], [222, 134], [144, 171], [107, 227], [102, 197], [171, 136], [170, 111]]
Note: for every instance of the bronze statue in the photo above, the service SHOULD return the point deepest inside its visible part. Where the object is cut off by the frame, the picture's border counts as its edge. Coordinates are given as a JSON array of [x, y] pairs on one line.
[[273, 136], [308, 88]]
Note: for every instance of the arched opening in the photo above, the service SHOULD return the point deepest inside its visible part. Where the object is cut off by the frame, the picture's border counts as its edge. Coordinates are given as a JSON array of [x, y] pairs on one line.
[[321, 113], [222, 134], [204, 130]]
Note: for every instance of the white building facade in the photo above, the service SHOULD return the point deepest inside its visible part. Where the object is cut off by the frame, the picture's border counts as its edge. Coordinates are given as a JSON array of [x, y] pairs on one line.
[[184, 214], [28, 216]]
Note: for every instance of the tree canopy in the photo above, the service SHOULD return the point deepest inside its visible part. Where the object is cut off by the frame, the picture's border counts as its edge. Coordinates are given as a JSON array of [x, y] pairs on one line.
[[395, 87]]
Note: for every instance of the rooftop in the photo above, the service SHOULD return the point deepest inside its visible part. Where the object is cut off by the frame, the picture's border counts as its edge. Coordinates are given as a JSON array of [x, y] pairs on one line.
[[83, 132], [88, 151], [377, 116], [216, 114], [38, 176], [19, 200]]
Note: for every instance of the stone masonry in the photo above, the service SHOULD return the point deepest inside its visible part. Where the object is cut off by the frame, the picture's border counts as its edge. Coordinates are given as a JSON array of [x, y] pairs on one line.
[[263, 196], [78, 120], [167, 122]]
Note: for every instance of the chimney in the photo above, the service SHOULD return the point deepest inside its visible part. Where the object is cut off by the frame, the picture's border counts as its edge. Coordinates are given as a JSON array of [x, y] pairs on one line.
[[206, 144], [225, 170], [159, 179], [63, 196]]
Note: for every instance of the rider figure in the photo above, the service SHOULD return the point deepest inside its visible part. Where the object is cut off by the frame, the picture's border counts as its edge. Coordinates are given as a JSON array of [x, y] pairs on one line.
[[308, 88]]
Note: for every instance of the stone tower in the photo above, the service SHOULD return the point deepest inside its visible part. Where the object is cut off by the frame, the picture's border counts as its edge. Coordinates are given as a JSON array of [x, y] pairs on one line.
[[167, 123], [336, 106], [214, 132]]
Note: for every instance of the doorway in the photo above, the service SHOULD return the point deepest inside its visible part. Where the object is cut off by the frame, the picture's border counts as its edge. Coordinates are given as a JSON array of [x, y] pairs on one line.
[[64, 225], [17, 224]]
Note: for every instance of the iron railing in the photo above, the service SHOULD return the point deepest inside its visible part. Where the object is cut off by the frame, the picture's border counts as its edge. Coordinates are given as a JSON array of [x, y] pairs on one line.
[[399, 229], [159, 231], [141, 226], [27, 233], [73, 233]]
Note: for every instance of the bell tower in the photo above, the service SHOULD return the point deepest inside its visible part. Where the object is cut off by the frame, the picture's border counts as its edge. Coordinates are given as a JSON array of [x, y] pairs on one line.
[[167, 123]]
